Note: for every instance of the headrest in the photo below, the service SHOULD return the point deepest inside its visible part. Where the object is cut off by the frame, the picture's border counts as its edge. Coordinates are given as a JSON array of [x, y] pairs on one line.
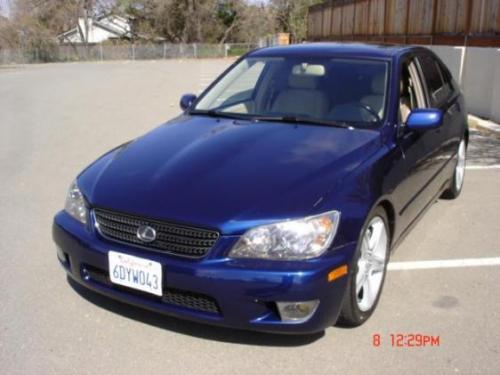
[[305, 76], [378, 84], [302, 82]]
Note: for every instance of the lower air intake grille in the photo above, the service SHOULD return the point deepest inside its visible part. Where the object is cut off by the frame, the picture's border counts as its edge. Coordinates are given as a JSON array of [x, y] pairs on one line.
[[182, 298], [170, 238]]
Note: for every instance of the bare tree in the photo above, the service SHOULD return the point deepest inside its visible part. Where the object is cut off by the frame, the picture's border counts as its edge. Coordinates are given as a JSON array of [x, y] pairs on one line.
[[291, 16], [34, 24], [257, 21]]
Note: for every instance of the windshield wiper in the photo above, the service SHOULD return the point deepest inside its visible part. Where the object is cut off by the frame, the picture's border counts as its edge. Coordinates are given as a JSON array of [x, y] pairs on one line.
[[215, 113], [303, 120], [256, 118]]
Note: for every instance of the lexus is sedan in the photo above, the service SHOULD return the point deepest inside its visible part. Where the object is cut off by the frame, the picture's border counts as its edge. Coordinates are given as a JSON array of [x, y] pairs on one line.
[[273, 202]]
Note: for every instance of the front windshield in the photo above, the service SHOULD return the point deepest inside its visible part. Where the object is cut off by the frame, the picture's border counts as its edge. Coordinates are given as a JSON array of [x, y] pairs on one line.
[[343, 90]]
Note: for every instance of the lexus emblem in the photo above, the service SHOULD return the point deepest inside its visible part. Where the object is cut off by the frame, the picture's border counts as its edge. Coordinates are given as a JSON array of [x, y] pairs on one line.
[[146, 233]]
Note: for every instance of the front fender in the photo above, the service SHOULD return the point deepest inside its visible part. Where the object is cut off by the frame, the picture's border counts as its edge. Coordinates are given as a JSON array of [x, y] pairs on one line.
[[359, 192]]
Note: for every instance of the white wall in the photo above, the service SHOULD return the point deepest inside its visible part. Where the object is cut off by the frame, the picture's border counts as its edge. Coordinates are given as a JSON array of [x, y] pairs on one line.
[[495, 97], [477, 70]]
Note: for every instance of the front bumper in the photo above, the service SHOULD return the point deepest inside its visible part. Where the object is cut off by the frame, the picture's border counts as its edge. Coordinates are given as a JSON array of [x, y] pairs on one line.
[[245, 291]]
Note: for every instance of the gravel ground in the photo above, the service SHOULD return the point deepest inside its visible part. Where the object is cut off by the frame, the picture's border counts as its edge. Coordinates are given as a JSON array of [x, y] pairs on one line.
[[484, 148]]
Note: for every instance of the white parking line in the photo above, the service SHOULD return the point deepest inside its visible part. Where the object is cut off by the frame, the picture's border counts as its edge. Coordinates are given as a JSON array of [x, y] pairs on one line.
[[472, 167], [445, 263]]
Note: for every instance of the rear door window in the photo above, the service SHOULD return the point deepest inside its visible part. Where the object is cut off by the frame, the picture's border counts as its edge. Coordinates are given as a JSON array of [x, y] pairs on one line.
[[438, 88], [449, 82]]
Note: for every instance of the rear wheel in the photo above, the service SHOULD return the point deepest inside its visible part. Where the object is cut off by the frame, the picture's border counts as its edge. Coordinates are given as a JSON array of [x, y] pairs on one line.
[[368, 270], [457, 180]]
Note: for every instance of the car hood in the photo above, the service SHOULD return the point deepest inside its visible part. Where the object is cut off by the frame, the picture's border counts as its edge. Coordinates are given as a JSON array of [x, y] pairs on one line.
[[226, 174]]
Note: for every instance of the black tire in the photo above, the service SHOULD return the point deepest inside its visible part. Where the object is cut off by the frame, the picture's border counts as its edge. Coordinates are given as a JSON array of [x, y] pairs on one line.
[[351, 315], [454, 190]]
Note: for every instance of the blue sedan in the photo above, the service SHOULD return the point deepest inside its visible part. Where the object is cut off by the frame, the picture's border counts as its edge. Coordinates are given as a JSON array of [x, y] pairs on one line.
[[273, 201]]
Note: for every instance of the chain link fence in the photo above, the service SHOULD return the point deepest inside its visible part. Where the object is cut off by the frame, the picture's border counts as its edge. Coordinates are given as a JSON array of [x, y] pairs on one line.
[[107, 52]]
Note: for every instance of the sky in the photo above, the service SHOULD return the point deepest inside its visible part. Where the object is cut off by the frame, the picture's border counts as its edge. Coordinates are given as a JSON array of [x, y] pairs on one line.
[[4, 8]]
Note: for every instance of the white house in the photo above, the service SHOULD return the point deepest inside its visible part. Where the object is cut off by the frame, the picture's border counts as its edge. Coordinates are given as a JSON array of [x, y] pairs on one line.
[[99, 30]]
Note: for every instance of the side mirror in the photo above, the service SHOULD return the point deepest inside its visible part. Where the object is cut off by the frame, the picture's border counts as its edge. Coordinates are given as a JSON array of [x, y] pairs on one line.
[[186, 101], [424, 118]]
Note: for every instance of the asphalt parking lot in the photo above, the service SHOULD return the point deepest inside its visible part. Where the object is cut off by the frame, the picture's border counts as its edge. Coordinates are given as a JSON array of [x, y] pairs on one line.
[[57, 118]]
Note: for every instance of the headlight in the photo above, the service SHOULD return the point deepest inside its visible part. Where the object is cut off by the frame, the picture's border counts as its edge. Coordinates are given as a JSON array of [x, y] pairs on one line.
[[75, 204], [289, 240]]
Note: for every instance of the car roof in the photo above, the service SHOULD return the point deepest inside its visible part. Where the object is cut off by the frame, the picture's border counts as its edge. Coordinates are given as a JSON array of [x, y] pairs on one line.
[[335, 49]]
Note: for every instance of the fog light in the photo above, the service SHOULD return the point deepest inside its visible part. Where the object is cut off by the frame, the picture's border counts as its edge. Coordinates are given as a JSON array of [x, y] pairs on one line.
[[297, 312], [61, 255]]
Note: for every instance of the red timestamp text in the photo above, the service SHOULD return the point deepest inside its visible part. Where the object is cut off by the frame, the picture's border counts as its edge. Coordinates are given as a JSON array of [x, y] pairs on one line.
[[406, 340]]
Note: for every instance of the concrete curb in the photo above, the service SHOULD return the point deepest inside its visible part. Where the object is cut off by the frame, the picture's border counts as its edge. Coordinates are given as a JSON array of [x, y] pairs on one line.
[[483, 125]]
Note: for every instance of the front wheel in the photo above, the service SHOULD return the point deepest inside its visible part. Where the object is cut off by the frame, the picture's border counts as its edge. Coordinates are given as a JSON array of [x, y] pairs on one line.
[[368, 270], [457, 181]]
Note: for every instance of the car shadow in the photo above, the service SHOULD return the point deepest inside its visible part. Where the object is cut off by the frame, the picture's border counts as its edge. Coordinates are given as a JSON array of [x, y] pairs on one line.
[[189, 328]]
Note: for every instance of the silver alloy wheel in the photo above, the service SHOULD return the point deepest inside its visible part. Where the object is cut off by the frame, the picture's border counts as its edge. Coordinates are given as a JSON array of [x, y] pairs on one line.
[[371, 263], [460, 168]]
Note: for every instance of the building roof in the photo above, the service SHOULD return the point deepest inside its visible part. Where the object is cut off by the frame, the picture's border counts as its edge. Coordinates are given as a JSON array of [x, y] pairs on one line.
[[115, 26]]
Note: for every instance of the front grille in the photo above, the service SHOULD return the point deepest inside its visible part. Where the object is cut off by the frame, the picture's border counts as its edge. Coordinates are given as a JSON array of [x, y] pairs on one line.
[[177, 297], [170, 238]]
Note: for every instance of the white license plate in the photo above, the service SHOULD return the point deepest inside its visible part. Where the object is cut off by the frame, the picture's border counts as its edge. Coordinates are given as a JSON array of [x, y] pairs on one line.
[[137, 273]]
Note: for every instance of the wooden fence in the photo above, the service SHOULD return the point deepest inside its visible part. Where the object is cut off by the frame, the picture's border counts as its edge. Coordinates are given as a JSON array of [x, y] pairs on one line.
[[443, 22]]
